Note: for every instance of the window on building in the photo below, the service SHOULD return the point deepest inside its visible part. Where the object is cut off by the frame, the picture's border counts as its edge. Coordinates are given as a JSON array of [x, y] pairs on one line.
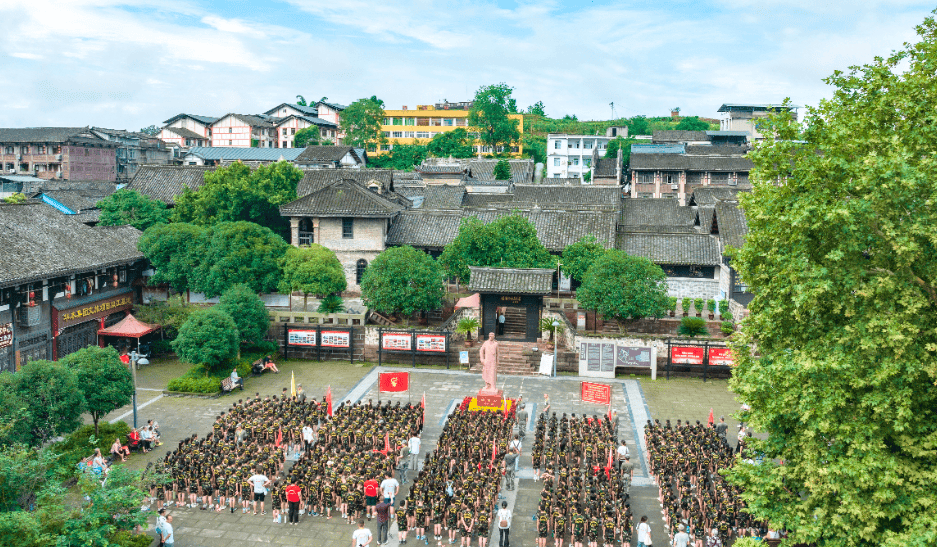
[[348, 228], [461, 122], [230, 143], [57, 149], [230, 130], [292, 131], [386, 133], [587, 145], [556, 162], [556, 175], [398, 121], [557, 145], [587, 162], [448, 121], [284, 144], [515, 149], [575, 161], [9, 150], [360, 267], [398, 134], [385, 147], [422, 134], [409, 121]]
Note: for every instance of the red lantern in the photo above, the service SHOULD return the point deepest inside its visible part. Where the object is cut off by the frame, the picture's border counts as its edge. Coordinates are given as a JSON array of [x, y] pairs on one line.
[[32, 295], [68, 290], [115, 280]]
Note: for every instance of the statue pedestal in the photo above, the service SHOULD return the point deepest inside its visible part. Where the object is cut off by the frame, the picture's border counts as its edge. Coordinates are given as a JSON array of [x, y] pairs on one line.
[[490, 398]]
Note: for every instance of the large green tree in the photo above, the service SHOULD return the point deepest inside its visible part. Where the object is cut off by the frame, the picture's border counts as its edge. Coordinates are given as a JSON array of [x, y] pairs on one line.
[[361, 123], [238, 252], [209, 337], [841, 255], [489, 116], [248, 311], [455, 143], [133, 208], [579, 257], [307, 136], [402, 280], [41, 401], [174, 251], [692, 123], [401, 157], [236, 193], [105, 382], [311, 270], [508, 242], [622, 287]]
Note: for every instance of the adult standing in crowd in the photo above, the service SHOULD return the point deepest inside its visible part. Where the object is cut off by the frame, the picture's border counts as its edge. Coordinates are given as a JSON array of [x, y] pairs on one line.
[[414, 445], [390, 487], [504, 525], [362, 536], [722, 427], [260, 483], [167, 534], [294, 497], [644, 533], [383, 520], [522, 420]]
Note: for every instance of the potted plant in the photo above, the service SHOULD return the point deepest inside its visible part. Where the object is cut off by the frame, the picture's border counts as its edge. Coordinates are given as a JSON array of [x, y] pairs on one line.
[[711, 306], [724, 309], [727, 328], [467, 326], [698, 306], [685, 304], [673, 305]]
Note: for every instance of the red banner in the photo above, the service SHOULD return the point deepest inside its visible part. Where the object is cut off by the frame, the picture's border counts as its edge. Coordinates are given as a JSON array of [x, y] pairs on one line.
[[689, 355], [591, 392], [394, 381], [721, 356]]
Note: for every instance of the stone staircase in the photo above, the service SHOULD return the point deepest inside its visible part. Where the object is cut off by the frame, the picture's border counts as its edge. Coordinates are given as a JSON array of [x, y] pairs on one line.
[[515, 322], [512, 361]]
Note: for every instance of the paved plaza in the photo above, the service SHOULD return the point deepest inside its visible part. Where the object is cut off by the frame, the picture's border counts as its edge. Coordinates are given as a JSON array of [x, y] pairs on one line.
[[635, 399]]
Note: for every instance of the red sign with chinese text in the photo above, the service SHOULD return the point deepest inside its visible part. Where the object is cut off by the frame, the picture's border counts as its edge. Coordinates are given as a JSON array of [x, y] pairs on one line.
[[592, 392], [721, 356], [689, 355]]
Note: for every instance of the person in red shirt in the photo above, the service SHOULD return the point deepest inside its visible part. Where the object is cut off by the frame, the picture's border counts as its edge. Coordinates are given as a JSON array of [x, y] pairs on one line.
[[294, 497], [371, 488]]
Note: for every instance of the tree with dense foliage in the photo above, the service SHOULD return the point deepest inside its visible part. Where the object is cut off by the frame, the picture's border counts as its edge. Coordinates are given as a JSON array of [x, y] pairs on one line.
[[508, 242], [131, 207], [536, 109], [248, 311], [17, 197], [209, 337], [174, 251], [105, 382], [301, 101], [639, 125], [169, 314], [579, 257], [150, 130], [455, 143], [535, 147], [307, 136], [361, 123], [401, 157], [235, 193], [502, 170], [402, 280], [841, 255], [692, 123], [39, 402], [489, 116], [622, 287], [311, 270], [238, 252]]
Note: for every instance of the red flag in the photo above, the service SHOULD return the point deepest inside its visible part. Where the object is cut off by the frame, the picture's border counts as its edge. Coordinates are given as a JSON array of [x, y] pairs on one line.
[[328, 400], [279, 436], [711, 418], [386, 443], [493, 450], [505, 403], [394, 381], [423, 406], [609, 458], [609, 409]]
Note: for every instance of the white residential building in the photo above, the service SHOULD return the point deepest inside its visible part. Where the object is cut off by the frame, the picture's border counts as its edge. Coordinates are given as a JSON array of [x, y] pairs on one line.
[[570, 156]]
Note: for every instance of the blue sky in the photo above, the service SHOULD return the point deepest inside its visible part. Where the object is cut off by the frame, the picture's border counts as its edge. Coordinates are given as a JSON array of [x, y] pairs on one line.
[[131, 63]]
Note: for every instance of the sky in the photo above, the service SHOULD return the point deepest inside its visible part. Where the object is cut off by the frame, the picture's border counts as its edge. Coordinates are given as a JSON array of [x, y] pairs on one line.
[[127, 64]]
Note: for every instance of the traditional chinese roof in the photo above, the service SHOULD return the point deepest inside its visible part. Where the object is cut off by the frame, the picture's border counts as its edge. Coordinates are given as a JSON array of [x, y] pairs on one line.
[[253, 121], [678, 249], [485, 199], [656, 216], [733, 227], [605, 168], [165, 182], [511, 280], [205, 120], [709, 195], [224, 153], [81, 135], [306, 110], [186, 133], [680, 162], [443, 196], [522, 171], [544, 194], [664, 136], [315, 179], [425, 229], [317, 154], [344, 198]]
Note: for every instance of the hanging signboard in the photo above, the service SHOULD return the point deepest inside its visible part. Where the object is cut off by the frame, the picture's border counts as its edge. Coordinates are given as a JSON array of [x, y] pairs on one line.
[[396, 342], [721, 356], [689, 355], [299, 337], [336, 339], [592, 392], [6, 335], [431, 342]]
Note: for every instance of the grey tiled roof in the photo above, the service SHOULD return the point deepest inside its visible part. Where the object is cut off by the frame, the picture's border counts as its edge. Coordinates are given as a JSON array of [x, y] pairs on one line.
[[562, 180], [313, 154], [717, 150], [443, 196], [704, 217], [733, 227], [187, 133], [708, 195], [678, 148], [409, 191], [662, 136], [470, 181], [345, 198], [522, 171], [561, 228], [49, 134], [334, 106], [315, 179], [428, 229], [307, 110], [253, 121], [484, 199], [244, 154], [40, 242], [407, 175], [678, 162], [78, 200], [207, 120], [165, 182], [605, 167], [656, 215], [683, 249], [511, 280], [440, 169], [545, 194]]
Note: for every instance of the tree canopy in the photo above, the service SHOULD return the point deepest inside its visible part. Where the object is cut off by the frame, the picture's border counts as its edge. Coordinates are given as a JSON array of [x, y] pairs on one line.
[[131, 207], [489, 116], [174, 251], [150, 130], [248, 312], [841, 256], [536, 109], [508, 242], [579, 257], [621, 287], [312, 270], [401, 157], [307, 136], [41, 401], [361, 122], [209, 337], [402, 280], [105, 382], [502, 170], [235, 193], [455, 143], [238, 252], [692, 123]]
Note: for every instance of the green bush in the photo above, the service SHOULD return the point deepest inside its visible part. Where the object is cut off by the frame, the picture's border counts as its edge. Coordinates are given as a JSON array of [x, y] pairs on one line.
[[331, 304], [673, 303], [724, 308], [126, 538], [78, 445], [195, 385], [698, 305], [686, 304], [267, 347], [711, 306], [727, 328], [160, 347], [692, 326]]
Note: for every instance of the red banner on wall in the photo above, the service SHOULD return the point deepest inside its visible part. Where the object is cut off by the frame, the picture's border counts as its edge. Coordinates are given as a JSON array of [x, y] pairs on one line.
[[394, 381], [592, 392], [689, 355], [721, 356]]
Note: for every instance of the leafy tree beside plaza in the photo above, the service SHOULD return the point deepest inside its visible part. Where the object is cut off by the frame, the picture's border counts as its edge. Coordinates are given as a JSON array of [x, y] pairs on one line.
[[209, 337], [455, 143], [841, 256], [402, 280], [508, 242], [174, 251], [622, 287], [311, 270], [489, 116], [105, 382], [39, 402], [131, 207], [248, 312], [238, 252], [579, 257], [361, 122]]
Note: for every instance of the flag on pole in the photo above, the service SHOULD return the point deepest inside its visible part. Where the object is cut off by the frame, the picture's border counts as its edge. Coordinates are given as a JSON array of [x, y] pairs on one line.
[[423, 406], [609, 413], [394, 381], [292, 384], [494, 449], [279, 436], [711, 417], [328, 400], [386, 443]]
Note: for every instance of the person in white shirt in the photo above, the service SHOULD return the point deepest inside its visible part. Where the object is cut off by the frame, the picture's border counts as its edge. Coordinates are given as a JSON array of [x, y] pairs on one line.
[[390, 487], [307, 437], [682, 538], [516, 445], [414, 445], [166, 533], [644, 533], [160, 523], [260, 483], [236, 380], [362, 536], [623, 453], [503, 520]]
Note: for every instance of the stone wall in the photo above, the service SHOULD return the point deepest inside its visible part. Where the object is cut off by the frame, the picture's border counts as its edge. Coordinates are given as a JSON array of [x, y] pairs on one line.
[[690, 287]]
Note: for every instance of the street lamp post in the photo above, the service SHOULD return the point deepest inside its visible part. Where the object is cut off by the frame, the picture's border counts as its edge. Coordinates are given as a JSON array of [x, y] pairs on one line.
[[134, 359], [556, 343]]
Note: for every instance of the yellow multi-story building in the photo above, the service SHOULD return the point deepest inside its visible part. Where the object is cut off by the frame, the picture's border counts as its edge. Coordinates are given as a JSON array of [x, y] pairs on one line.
[[419, 126]]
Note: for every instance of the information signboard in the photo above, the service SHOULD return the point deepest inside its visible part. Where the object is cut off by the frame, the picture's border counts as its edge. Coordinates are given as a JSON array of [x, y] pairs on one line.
[[431, 342], [298, 337], [690, 355], [396, 342], [721, 356], [633, 356], [336, 339], [6, 335]]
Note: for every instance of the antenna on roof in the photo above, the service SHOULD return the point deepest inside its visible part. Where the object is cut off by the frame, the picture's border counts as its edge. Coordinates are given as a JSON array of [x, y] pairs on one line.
[[612, 104]]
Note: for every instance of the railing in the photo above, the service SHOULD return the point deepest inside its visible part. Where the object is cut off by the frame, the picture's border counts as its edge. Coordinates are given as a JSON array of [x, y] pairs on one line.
[[315, 318], [306, 238]]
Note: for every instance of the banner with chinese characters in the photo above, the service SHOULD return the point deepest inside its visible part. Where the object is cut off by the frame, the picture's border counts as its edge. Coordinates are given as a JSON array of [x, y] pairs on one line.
[[94, 310], [690, 355], [431, 342], [394, 381], [6, 335], [396, 342], [722, 357], [591, 392], [299, 337], [336, 339]]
